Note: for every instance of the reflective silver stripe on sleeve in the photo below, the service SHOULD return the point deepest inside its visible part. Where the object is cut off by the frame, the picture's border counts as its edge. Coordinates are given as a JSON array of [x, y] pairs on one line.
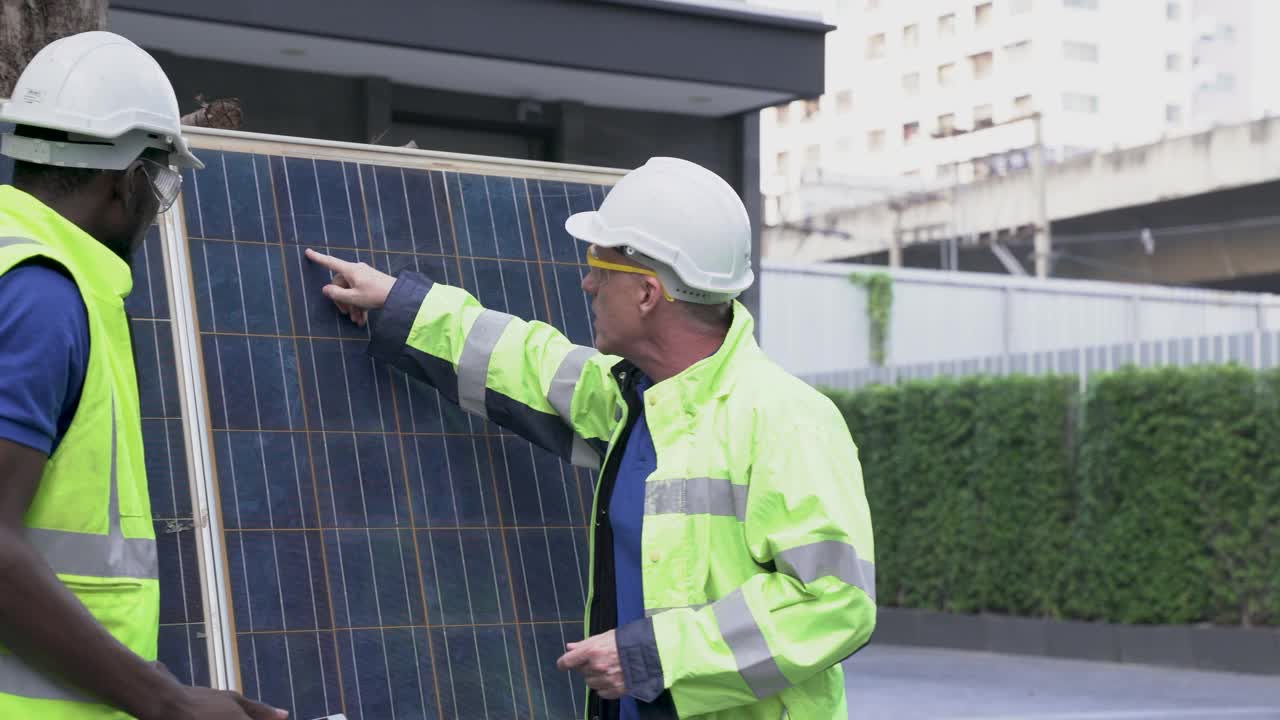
[[807, 563], [7, 241], [560, 395], [473, 365], [584, 456], [756, 663], [17, 678], [106, 556], [566, 378], [696, 496]]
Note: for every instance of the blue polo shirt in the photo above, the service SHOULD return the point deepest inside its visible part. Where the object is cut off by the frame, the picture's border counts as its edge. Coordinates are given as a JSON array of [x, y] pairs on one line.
[[44, 350], [626, 507]]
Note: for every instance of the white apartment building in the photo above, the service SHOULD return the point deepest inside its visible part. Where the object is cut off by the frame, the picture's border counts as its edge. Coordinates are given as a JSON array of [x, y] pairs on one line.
[[934, 92]]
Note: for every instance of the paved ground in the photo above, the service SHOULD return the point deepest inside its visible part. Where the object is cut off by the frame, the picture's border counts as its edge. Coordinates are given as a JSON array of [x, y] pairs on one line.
[[898, 683]]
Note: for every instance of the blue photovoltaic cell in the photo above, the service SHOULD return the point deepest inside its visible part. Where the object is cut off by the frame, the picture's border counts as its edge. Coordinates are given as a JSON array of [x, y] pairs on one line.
[[389, 556]]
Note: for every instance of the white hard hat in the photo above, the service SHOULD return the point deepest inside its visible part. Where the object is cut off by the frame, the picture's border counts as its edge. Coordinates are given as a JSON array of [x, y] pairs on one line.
[[95, 86], [681, 220]]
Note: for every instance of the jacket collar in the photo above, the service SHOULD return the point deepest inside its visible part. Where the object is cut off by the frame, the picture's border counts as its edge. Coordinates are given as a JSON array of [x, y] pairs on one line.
[[713, 376]]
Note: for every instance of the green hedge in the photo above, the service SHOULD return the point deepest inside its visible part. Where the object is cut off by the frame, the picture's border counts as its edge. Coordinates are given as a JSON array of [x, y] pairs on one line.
[[1155, 498]]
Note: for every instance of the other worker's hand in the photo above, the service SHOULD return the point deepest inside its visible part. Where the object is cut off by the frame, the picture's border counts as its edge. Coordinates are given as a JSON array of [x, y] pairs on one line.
[[356, 288], [208, 704], [597, 659]]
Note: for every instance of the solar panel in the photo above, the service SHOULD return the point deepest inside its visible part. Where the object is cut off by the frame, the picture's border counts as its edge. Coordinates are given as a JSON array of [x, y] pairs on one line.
[[382, 554], [333, 536]]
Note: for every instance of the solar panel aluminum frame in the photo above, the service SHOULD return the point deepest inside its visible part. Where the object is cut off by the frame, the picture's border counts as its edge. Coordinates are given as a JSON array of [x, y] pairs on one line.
[[197, 441]]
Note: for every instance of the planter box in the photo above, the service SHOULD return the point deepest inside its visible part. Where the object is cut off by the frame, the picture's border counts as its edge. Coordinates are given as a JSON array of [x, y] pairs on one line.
[[1250, 650]]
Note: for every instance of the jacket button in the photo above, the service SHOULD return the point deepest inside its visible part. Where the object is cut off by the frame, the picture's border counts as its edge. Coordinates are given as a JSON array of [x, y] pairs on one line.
[[654, 557], [652, 401]]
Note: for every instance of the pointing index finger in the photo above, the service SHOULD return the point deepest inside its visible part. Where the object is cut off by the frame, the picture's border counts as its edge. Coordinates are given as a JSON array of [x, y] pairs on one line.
[[335, 264]]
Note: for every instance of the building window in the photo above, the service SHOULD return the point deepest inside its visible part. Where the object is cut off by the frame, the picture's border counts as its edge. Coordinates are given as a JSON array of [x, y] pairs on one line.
[[810, 108], [812, 156], [1227, 33], [1173, 62], [1226, 82], [875, 140], [946, 75], [1172, 11], [911, 36], [1081, 4], [982, 15], [1079, 102], [910, 131], [1080, 51], [1018, 7], [1173, 114], [875, 46], [982, 117], [946, 171], [1018, 52], [843, 147], [911, 83], [946, 125], [982, 64], [783, 160], [947, 25], [844, 101], [784, 114], [1022, 105], [873, 4]]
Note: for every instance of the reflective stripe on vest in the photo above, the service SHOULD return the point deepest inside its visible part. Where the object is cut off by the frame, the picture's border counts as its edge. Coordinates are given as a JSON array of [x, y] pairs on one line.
[[7, 241], [104, 556], [70, 553], [16, 678], [696, 496]]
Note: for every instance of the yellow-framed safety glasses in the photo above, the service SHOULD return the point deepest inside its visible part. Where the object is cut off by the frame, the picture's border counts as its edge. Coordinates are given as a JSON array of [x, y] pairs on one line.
[[594, 261]]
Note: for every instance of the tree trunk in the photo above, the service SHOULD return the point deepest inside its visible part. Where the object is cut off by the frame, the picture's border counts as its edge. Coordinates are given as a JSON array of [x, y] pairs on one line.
[[28, 25]]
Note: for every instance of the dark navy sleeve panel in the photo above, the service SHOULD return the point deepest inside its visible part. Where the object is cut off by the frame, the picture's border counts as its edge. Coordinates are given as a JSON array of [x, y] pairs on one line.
[[44, 352]]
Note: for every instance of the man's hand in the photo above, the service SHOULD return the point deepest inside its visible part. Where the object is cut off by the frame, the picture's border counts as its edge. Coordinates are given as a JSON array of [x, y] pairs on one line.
[[356, 288], [597, 659], [208, 704]]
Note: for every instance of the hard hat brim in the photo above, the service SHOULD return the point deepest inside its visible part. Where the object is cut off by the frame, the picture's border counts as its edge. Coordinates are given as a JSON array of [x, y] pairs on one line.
[[587, 227]]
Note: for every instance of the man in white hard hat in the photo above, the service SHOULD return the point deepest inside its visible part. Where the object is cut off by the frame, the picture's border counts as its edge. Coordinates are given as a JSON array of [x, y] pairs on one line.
[[731, 563], [96, 146]]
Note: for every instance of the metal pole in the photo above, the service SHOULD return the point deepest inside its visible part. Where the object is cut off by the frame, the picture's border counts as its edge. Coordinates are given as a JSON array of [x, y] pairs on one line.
[[895, 240], [1044, 242]]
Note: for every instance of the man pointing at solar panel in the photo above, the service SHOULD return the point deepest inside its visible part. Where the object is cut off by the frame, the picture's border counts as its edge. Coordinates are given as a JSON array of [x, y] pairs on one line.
[[96, 142], [732, 565]]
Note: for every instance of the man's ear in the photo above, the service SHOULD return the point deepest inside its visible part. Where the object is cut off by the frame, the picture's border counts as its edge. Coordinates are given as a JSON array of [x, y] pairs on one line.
[[652, 294], [128, 184]]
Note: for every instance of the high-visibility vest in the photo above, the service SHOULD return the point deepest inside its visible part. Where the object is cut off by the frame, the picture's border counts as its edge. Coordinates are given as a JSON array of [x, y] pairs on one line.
[[756, 550], [91, 516]]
